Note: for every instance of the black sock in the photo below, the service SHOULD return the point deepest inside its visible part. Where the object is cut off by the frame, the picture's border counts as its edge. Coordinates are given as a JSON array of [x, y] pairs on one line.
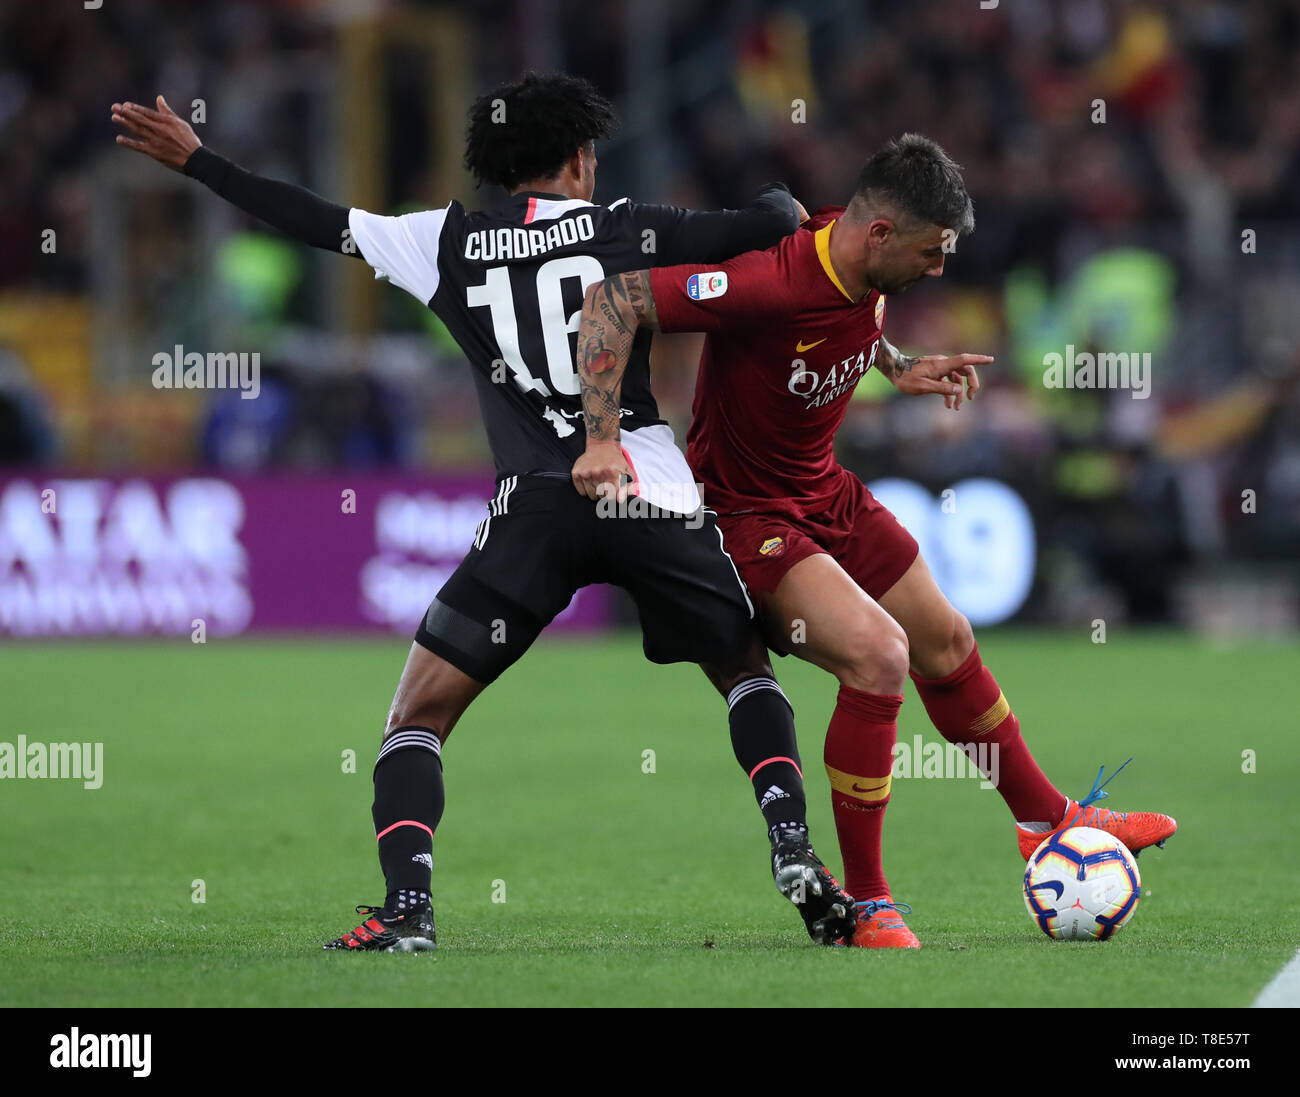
[[404, 899], [762, 735], [409, 799]]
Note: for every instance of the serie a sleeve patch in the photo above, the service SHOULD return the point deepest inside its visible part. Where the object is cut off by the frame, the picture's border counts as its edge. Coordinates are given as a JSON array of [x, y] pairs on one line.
[[701, 287]]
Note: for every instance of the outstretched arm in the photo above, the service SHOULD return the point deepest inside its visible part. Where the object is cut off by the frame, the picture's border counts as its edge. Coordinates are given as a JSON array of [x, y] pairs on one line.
[[918, 375], [164, 136], [612, 312], [712, 236]]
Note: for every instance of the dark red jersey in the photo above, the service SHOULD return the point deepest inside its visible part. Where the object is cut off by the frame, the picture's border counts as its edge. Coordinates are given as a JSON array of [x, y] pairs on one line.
[[787, 346]]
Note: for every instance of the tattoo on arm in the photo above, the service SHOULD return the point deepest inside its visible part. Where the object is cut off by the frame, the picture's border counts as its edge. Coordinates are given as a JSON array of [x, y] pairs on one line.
[[611, 315], [892, 362]]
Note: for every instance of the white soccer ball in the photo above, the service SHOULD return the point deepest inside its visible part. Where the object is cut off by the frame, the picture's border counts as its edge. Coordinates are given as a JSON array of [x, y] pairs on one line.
[[1082, 884]]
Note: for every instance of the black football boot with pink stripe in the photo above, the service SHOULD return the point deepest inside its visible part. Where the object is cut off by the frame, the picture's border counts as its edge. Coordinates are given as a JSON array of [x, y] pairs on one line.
[[800, 876], [385, 931]]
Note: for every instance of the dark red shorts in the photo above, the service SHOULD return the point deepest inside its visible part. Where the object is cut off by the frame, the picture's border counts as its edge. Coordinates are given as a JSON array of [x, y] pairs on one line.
[[861, 534]]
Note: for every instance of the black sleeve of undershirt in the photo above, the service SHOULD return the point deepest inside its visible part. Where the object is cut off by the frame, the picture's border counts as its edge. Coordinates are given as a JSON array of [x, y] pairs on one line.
[[712, 236], [293, 210]]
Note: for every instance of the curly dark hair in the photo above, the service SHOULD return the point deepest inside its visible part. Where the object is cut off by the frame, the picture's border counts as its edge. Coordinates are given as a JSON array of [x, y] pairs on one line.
[[528, 129]]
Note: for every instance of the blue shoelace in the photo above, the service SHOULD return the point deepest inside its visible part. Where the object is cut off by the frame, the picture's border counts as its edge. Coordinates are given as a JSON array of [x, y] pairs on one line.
[[869, 907], [1098, 790]]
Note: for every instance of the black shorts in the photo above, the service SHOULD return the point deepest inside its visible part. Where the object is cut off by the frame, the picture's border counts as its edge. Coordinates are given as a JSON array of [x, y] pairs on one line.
[[542, 541]]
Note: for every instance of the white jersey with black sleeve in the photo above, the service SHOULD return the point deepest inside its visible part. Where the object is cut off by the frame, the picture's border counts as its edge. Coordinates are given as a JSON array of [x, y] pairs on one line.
[[509, 284]]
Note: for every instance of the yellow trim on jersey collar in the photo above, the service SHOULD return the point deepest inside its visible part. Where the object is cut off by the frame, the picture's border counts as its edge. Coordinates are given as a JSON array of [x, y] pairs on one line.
[[823, 237]]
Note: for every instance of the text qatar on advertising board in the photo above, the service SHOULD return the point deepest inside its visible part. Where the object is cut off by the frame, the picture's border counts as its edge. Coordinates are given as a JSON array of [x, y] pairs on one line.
[[125, 556]]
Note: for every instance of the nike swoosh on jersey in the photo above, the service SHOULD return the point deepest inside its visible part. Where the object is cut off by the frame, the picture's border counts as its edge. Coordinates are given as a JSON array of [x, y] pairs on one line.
[[800, 348]]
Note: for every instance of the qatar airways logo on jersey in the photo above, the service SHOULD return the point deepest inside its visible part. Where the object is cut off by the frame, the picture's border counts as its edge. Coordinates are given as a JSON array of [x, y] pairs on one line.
[[819, 390], [494, 245]]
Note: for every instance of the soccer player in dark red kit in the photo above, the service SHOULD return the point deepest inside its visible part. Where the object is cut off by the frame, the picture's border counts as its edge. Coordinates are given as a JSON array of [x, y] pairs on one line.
[[839, 582]]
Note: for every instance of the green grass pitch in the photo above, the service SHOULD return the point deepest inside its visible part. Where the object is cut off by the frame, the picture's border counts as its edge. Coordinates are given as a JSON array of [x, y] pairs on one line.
[[224, 763]]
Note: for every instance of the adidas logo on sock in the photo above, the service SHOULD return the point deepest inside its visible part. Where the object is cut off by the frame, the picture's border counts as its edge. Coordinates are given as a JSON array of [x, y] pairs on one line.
[[426, 859], [772, 795]]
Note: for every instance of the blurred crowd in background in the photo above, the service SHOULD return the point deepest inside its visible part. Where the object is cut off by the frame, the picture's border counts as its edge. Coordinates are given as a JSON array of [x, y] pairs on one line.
[[1135, 170]]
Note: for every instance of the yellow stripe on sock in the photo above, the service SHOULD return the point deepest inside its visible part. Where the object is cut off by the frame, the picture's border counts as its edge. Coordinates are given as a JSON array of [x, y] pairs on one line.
[[1000, 711], [870, 789]]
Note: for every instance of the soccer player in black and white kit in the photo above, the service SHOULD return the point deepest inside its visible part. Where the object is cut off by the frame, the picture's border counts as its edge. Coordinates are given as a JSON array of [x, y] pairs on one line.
[[509, 284]]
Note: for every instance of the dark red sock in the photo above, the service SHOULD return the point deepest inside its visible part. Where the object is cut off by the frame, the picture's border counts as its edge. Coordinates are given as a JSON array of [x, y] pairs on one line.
[[859, 758], [968, 707]]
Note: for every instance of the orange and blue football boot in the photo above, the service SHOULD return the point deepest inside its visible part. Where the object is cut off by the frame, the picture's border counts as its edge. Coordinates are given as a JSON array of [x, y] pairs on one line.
[[1136, 829], [879, 925]]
